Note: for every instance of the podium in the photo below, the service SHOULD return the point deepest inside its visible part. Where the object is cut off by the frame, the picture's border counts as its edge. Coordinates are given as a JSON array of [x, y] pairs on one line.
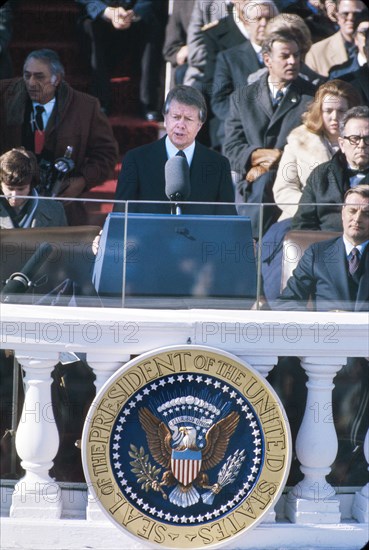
[[153, 260]]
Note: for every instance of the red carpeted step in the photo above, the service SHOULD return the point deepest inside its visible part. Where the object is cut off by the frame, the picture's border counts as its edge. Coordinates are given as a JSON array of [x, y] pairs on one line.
[[52, 19], [124, 96], [131, 132]]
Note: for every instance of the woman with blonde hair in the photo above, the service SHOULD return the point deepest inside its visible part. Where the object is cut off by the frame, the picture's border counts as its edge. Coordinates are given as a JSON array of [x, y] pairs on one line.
[[308, 145], [312, 143]]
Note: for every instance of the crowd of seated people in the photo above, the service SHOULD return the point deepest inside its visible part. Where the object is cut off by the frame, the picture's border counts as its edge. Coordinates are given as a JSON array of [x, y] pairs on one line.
[[262, 71], [309, 145]]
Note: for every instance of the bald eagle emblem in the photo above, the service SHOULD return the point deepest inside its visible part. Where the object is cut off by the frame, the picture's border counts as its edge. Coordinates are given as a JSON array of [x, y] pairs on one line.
[[184, 461]]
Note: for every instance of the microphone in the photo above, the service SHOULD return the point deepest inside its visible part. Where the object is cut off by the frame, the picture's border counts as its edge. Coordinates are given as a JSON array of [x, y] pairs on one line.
[[177, 179], [20, 281]]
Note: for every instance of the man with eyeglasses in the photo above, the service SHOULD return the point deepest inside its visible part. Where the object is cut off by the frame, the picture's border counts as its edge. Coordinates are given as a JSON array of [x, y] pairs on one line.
[[328, 182], [339, 47]]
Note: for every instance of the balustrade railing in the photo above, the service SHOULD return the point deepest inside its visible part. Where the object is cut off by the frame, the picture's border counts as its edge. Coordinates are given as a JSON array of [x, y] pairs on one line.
[[105, 338]]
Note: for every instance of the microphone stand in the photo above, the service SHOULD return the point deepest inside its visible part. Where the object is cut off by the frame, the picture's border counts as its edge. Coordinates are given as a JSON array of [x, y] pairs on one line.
[[175, 207]]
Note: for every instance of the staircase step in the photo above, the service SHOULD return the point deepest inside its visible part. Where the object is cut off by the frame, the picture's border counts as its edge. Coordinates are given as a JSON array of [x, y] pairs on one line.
[[49, 19], [131, 132], [124, 95]]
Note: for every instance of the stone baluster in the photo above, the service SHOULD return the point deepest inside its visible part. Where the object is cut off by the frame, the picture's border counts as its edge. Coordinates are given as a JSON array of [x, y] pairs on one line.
[[360, 509], [37, 495], [263, 365], [313, 500], [103, 366]]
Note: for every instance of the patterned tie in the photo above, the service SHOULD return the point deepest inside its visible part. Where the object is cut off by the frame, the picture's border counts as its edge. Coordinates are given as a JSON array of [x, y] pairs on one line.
[[181, 154], [354, 261], [38, 118], [278, 98]]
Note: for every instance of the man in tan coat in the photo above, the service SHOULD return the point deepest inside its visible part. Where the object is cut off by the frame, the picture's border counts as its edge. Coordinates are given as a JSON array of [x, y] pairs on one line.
[[336, 49]]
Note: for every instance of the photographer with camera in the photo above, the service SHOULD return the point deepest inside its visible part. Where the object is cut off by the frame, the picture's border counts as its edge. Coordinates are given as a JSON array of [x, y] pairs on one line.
[[21, 206], [45, 115]]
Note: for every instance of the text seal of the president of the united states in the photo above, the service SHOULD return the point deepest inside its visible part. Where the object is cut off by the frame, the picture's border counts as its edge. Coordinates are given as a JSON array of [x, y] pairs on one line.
[[186, 447]]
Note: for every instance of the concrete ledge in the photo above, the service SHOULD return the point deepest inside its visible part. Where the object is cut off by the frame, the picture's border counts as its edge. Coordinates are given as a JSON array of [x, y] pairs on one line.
[[72, 534]]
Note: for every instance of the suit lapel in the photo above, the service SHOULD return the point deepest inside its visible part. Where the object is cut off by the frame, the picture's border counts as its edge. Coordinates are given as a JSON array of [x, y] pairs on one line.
[[265, 100], [195, 167], [335, 264], [362, 299]]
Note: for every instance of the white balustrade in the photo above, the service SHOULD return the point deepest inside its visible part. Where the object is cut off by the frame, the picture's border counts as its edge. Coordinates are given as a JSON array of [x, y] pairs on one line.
[[360, 509], [37, 495], [313, 499], [257, 337]]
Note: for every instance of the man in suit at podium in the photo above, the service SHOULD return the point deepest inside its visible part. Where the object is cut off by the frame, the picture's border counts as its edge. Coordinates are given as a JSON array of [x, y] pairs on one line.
[[142, 177], [335, 272]]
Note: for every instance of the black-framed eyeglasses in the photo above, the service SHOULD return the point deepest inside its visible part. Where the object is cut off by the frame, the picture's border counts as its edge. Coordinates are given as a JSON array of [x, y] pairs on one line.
[[355, 140]]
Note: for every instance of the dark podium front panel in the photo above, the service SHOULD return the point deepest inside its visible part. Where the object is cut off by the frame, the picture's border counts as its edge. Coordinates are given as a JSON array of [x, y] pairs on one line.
[[176, 257]]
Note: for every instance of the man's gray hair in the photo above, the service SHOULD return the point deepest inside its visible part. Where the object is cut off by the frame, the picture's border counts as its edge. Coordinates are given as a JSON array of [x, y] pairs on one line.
[[283, 36], [188, 96], [361, 111], [50, 57], [361, 190]]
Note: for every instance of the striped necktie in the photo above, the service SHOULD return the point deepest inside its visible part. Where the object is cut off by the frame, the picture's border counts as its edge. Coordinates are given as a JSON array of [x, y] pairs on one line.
[[354, 261]]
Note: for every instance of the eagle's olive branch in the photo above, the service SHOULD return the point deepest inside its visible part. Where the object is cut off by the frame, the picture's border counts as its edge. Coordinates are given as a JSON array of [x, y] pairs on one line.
[[145, 473], [226, 475]]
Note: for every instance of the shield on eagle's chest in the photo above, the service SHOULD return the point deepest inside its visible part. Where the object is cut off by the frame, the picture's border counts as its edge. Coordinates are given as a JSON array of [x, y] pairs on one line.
[[186, 465]]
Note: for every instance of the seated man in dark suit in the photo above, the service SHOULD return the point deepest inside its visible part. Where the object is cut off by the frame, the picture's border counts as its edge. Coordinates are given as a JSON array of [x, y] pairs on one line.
[[142, 177], [329, 181], [261, 117], [335, 273]]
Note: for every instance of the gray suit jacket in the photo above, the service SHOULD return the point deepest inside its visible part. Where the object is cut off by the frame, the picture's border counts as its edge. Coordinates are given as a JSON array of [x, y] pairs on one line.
[[252, 123], [204, 12]]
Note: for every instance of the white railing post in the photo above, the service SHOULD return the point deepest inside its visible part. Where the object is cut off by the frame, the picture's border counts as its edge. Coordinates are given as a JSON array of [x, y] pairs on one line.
[[313, 500], [37, 495], [360, 508], [103, 366], [263, 364]]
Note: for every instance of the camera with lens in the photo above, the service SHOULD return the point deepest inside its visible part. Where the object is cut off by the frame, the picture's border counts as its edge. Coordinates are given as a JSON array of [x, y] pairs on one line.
[[53, 174]]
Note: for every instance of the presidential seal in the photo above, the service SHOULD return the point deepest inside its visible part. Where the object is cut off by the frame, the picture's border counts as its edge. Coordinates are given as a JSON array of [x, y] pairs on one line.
[[186, 447]]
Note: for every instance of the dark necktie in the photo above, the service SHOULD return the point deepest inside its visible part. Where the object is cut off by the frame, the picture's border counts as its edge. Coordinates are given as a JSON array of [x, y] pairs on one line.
[[38, 118], [354, 261], [278, 98], [181, 154]]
